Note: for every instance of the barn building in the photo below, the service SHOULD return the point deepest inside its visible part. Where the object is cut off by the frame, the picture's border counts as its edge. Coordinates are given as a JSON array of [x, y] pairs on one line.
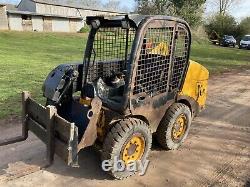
[[47, 16]]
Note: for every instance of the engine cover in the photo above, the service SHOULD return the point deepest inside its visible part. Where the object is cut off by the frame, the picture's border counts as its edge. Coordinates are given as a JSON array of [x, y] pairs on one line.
[[59, 80]]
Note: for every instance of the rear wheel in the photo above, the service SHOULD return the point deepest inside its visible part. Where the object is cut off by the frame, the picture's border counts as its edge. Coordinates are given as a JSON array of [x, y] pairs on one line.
[[174, 126], [129, 140]]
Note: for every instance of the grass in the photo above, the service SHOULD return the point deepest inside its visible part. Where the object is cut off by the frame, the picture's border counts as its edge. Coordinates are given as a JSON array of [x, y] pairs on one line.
[[219, 59], [26, 58]]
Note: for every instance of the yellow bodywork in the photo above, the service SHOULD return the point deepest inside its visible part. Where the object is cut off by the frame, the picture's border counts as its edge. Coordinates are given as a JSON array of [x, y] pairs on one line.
[[196, 83], [161, 49], [134, 149]]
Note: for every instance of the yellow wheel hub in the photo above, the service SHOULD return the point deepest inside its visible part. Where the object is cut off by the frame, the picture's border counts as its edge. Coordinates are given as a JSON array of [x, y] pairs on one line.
[[179, 127], [134, 149]]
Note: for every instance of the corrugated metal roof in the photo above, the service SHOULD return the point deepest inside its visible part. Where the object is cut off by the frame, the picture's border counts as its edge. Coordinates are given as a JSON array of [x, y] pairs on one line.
[[9, 6], [72, 5], [37, 14]]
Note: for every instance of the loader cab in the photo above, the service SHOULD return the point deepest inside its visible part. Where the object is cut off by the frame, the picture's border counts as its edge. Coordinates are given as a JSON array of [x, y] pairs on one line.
[[107, 62], [136, 63]]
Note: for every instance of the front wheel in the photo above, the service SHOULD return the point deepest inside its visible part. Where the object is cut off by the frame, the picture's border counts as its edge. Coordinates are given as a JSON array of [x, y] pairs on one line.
[[174, 126], [128, 141]]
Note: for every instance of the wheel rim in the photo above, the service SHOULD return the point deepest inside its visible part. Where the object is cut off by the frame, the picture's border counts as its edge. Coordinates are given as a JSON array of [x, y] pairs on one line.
[[134, 149], [179, 128]]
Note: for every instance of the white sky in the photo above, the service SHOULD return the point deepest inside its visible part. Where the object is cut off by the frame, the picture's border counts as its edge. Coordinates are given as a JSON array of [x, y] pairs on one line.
[[240, 10]]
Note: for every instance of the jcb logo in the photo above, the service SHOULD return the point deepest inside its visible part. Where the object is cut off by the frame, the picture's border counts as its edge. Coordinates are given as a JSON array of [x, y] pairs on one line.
[[201, 92], [200, 89]]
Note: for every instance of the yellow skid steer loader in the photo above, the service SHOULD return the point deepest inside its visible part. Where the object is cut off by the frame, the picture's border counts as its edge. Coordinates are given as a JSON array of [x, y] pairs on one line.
[[136, 80]]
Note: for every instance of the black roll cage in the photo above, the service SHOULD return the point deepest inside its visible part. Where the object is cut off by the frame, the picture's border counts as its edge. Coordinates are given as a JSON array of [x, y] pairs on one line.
[[140, 23]]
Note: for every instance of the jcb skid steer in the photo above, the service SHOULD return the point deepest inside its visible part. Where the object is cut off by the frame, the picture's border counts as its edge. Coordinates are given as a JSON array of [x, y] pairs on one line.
[[136, 80]]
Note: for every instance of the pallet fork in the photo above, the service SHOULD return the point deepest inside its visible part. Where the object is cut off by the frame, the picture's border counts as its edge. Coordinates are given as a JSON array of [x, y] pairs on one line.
[[59, 135]]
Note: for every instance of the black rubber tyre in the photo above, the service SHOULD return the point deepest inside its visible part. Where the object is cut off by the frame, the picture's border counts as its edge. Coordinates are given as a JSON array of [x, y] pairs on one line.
[[119, 135], [164, 132]]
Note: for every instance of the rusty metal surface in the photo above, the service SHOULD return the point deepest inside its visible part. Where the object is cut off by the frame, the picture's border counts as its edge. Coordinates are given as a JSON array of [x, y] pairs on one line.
[[153, 109], [191, 102], [90, 134]]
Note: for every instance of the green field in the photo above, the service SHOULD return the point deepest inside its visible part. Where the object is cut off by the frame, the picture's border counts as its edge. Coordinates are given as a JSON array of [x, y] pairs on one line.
[[27, 58]]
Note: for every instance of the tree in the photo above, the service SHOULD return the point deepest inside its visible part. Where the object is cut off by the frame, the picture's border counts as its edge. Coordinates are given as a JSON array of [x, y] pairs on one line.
[[190, 10], [244, 27], [222, 24], [224, 6], [146, 7]]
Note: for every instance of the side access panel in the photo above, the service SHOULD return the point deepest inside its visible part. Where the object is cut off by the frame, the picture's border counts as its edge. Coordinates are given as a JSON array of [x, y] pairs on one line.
[[196, 84]]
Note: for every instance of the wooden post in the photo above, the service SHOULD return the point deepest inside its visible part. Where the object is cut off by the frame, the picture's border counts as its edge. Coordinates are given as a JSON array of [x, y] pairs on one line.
[[51, 111], [25, 96]]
